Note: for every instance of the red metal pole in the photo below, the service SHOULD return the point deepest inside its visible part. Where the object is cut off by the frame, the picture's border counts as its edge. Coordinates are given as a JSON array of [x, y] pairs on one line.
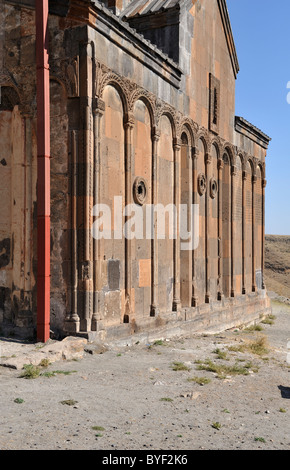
[[43, 172]]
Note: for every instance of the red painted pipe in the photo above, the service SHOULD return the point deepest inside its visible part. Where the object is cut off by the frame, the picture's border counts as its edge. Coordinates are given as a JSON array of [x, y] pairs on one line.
[[43, 172]]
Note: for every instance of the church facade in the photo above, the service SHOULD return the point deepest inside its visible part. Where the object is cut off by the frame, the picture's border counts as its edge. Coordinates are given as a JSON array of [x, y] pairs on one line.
[[142, 106]]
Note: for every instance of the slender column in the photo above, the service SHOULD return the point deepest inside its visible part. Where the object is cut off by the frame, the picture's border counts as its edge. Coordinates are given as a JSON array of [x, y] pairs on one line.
[[43, 173], [154, 247], [233, 202], [244, 233], [98, 111], [254, 285], [86, 186], [220, 229], [195, 154], [129, 126], [72, 323], [190, 220], [264, 184], [208, 160], [28, 209], [176, 287]]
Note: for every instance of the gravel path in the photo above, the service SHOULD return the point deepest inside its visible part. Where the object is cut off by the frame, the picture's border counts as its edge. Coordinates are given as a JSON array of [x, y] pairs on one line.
[[131, 398]]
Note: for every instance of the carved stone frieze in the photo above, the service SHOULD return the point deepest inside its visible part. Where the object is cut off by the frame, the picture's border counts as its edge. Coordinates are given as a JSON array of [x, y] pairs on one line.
[[67, 72], [132, 92]]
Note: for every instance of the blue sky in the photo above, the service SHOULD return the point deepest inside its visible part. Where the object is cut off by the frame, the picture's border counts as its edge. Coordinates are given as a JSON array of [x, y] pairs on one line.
[[262, 37]]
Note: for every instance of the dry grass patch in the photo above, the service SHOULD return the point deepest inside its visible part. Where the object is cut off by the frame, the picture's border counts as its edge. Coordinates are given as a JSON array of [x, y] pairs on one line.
[[221, 354], [199, 380], [30, 371], [259, 347], [269, 320], [222, 370], [255, 327], [178, 366]]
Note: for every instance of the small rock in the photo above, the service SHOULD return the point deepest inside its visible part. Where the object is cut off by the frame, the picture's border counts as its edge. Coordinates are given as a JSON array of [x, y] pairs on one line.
[[194, 395], [191, 395], [96, 348]]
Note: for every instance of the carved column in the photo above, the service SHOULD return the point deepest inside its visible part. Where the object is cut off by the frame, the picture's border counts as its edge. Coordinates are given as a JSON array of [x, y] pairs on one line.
[[245, 175], [28, 271], [129, 124], [195, 154], [208, 160], [98, 111], [24, 179], [72, 323], [86, 160], [264, 184], [233, 202], [190, 222], [220, 229], [254, 285], [154, 248], [176, 286]]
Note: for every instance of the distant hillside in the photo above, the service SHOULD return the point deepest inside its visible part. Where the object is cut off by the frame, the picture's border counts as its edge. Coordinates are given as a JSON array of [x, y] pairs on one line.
[[277, 264]]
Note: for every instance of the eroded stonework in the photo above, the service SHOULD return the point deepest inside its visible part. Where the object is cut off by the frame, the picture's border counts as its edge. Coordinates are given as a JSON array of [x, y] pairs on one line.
[[147, 122]]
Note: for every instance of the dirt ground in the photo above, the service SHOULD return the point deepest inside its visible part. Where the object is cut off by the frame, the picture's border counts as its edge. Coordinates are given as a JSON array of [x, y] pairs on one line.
[[277, 264], [131, 398]]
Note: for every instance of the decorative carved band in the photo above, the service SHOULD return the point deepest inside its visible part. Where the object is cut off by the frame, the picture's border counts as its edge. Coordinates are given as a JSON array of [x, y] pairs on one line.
[[67, 72]]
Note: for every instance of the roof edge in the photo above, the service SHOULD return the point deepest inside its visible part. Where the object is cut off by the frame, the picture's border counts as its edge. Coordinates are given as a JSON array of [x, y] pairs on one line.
[[246, 128], [229, 35]]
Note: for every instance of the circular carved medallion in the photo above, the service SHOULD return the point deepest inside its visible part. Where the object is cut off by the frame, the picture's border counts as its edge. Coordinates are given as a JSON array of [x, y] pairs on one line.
[[213, 186], [140, 191], [201, 182]]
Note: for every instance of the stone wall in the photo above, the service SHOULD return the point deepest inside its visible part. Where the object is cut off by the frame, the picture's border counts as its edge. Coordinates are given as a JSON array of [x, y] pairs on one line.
[[127, 122]]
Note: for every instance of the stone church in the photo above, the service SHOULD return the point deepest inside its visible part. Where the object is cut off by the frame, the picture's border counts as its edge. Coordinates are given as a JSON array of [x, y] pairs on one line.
[[142, 114]]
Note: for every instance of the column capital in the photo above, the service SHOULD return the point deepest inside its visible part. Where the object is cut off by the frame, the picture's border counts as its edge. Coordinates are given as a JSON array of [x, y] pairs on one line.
[[99, 106], [156, 134], [194, 152], [208, 158], [234, 170], [129, 121], [177, 143], [221, 164], [245, 175]]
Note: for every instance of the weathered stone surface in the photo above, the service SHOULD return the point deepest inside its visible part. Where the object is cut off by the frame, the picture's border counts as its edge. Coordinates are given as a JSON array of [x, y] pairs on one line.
[[96, 348], [67, 349], [122, 112]]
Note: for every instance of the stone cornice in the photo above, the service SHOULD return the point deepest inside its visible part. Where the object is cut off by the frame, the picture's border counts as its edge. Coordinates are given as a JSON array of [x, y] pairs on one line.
[[154, 58], [249, 130]]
